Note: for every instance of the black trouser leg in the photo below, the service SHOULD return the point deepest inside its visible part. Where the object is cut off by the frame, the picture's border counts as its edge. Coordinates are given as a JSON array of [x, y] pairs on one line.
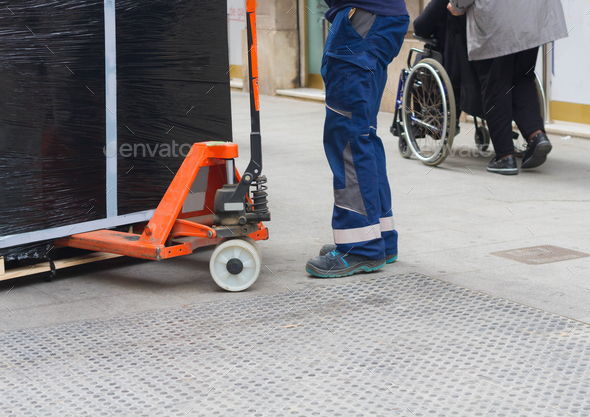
[[496, 79], [526, 109]]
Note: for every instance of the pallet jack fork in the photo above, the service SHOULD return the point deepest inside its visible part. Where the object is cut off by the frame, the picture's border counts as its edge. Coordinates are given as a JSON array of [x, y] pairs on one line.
[[234, 224]]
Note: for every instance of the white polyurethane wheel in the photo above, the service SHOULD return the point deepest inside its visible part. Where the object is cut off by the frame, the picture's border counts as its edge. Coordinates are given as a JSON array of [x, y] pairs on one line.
[[235, 264]]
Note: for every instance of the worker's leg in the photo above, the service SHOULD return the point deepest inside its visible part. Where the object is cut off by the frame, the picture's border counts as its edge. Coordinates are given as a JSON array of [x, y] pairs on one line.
[[363, 219], [388, 232], [352, 69], [351, 154]]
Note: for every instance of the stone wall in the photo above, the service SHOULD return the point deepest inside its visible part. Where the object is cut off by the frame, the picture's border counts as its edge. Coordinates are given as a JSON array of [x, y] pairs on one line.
[[278, 46], [278, 49]]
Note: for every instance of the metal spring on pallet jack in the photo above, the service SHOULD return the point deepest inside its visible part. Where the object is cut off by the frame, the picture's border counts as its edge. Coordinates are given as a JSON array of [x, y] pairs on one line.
[[259, 201]]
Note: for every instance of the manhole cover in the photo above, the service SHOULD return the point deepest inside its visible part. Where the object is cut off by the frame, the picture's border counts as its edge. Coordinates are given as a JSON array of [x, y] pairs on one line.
[[540, 254]]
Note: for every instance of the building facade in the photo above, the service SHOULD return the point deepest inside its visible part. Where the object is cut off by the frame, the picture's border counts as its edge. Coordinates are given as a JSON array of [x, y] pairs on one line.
[[291, 36]]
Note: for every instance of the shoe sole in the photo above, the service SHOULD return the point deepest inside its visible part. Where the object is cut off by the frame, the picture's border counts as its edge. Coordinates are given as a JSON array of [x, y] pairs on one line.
[[389, 259], [538, 157], [367, 266], [512, 171]]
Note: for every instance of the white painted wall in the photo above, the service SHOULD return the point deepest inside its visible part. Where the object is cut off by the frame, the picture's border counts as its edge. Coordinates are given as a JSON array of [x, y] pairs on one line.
[[236, 17], [571, 56]]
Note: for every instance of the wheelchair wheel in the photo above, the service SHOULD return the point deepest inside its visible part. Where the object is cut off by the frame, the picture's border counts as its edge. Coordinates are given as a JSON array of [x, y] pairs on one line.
[[520, 144], [402, 146], [482, 138], [428, 112]]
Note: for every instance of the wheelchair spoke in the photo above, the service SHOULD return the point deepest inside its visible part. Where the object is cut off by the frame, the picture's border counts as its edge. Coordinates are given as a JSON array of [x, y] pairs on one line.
[[426, 124]]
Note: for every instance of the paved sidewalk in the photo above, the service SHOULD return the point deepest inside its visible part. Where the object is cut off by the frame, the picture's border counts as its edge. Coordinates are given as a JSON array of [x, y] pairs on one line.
[[406, 345], [450, 219], [454, 294]]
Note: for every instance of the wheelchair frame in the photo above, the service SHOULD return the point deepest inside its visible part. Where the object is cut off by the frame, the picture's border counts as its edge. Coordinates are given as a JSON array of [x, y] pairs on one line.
[[407, 146]]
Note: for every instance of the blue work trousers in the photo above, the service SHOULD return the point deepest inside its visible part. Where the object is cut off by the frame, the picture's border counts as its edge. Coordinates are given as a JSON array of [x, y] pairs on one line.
[[354, 69]]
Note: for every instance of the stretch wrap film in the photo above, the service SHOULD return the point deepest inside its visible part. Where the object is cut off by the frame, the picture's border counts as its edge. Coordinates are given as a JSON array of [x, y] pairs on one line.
[[172, 90]]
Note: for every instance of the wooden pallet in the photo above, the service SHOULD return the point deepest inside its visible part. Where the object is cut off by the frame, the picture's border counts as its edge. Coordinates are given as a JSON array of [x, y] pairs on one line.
[[59, 264]]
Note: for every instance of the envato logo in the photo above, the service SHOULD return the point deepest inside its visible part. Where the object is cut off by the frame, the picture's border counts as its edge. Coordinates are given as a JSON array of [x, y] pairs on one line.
[[467, 151], [147, 150], [463, 151]]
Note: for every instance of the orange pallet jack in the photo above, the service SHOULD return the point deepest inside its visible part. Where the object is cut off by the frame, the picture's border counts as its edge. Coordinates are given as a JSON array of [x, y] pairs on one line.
[[239, 205]]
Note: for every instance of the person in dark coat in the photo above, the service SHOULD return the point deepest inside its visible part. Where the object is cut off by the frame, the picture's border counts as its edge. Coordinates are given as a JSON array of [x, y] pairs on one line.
[[503, 38]]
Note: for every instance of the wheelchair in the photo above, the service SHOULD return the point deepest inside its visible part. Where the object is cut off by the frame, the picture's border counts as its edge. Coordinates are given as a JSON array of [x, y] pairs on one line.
[[426, 116]]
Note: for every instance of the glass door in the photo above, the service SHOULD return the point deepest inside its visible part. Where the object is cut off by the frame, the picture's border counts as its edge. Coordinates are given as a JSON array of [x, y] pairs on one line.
[[316, 28]]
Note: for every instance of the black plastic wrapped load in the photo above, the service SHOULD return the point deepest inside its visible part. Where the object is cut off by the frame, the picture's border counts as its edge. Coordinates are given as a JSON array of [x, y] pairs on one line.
[[172, 90], [52, 119]]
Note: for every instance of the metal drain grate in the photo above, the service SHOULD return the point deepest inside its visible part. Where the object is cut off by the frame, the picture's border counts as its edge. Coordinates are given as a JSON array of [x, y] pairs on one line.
[[540, 254], [399, 346]]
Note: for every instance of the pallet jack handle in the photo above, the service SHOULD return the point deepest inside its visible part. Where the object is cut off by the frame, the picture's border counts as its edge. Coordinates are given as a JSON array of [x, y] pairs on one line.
[[253, 68], [254, 169]]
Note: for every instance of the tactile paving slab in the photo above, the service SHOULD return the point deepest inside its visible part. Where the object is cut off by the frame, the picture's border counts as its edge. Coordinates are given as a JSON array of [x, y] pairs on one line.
[[405, 345]]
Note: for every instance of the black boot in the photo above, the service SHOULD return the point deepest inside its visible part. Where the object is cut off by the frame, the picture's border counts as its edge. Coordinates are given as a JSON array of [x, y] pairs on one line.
[[504, 166], [537, 151]]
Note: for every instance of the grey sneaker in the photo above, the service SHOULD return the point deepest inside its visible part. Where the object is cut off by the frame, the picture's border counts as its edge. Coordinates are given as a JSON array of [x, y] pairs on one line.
[[329, 247], [337, 264]]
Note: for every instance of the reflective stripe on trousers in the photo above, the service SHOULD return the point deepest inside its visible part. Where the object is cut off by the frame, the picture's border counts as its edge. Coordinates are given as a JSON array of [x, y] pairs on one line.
[[361, 234]]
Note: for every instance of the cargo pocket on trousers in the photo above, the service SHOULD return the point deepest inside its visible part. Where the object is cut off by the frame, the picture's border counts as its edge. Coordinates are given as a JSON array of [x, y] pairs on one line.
[[337, 82]]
